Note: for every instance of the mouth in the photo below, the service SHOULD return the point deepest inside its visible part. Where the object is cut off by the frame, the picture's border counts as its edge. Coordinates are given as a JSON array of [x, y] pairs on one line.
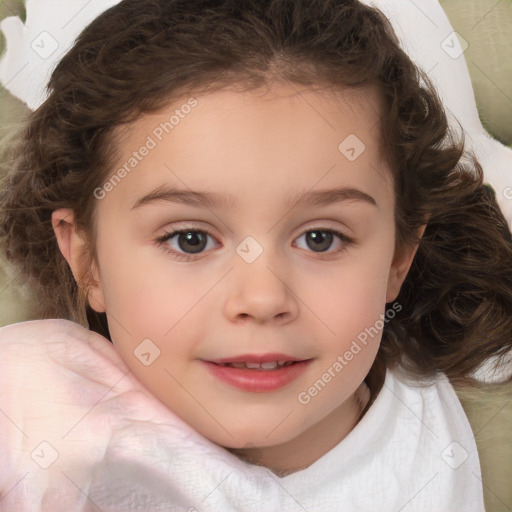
[[250, 374]]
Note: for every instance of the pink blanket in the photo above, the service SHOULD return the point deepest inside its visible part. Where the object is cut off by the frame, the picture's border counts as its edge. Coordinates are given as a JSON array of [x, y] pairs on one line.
[[79, 432]]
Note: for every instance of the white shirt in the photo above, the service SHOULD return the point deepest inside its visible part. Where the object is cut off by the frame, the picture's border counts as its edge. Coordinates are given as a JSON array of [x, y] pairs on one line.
[[77, 429]]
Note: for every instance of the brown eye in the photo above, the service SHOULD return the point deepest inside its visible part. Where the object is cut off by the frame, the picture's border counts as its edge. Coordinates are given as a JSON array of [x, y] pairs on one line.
[[320, 240], [192, 241], [185, 242]]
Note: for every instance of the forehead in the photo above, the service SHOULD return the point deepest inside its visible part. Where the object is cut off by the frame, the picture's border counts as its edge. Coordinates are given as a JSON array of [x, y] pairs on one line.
[[244, 143]]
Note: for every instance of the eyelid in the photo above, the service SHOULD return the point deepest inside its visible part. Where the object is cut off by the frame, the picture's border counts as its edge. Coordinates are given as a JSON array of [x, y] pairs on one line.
[[196, 226]]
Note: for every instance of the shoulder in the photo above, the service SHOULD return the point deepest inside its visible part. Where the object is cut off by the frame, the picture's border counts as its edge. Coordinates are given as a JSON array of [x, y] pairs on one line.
[[431, 409], [422, 409], [426, 418], [433, 394]]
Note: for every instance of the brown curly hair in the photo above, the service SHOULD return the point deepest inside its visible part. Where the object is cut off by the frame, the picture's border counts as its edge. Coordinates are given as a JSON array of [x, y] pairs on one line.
[[456, 302]]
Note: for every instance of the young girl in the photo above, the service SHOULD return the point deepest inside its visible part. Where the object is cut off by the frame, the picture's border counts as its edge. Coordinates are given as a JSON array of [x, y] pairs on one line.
[[261, 207]]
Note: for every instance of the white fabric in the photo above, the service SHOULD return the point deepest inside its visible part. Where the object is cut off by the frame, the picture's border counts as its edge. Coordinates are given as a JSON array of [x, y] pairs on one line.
[[78, 429], [35, 47]]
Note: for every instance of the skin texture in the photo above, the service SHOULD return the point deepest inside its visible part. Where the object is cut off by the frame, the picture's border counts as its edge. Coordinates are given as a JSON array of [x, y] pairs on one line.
[[260, 147]]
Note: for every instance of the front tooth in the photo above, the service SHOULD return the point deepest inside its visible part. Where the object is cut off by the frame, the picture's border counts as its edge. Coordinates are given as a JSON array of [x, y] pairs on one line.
[[269, 366], [238, 365], [252, 365]]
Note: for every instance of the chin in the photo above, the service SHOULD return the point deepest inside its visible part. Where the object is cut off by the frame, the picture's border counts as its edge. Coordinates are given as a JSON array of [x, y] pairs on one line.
[[250, 439]]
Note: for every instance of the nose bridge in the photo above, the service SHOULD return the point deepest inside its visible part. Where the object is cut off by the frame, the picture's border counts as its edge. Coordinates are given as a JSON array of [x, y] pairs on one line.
[[258, 286]]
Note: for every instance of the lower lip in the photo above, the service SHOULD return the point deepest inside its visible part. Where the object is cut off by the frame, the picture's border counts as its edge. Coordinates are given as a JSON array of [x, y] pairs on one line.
[[258, 381]]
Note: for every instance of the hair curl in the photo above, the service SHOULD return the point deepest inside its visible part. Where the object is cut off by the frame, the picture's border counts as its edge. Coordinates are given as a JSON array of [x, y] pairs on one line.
[[141, 54]]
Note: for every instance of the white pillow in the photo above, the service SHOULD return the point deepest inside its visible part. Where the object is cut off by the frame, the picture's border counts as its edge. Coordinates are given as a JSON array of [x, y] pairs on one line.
[[428, 38], [35, 47]]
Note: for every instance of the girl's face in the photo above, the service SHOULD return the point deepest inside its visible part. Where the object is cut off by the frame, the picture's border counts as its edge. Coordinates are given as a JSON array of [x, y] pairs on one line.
[[286, 209]]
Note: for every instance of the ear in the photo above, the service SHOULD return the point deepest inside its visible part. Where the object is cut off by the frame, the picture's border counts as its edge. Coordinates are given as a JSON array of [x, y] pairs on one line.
[[400, 267], [73, 247]]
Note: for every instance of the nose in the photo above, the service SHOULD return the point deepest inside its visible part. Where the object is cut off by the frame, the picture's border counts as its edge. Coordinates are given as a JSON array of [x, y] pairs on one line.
[[260, 292]]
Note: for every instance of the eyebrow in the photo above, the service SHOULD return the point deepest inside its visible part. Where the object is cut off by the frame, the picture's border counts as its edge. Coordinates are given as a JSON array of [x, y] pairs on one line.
[[216, 199]]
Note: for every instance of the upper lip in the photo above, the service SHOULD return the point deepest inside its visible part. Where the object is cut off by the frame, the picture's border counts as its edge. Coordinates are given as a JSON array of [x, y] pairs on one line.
[[256, 358]]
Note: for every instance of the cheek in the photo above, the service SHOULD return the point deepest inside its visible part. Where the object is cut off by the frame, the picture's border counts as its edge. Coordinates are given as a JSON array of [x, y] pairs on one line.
[[349, 296], [149, 298], [140, 286]]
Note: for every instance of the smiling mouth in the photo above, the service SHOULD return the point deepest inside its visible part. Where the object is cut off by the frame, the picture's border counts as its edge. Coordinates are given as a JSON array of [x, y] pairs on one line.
[[262, 374]]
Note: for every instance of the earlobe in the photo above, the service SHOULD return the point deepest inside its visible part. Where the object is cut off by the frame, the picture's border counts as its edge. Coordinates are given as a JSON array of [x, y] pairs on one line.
[[73, 247], [399, 269]]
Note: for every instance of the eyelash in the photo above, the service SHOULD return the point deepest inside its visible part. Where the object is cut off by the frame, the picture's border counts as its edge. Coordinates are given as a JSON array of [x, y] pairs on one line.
[[161, 241]]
